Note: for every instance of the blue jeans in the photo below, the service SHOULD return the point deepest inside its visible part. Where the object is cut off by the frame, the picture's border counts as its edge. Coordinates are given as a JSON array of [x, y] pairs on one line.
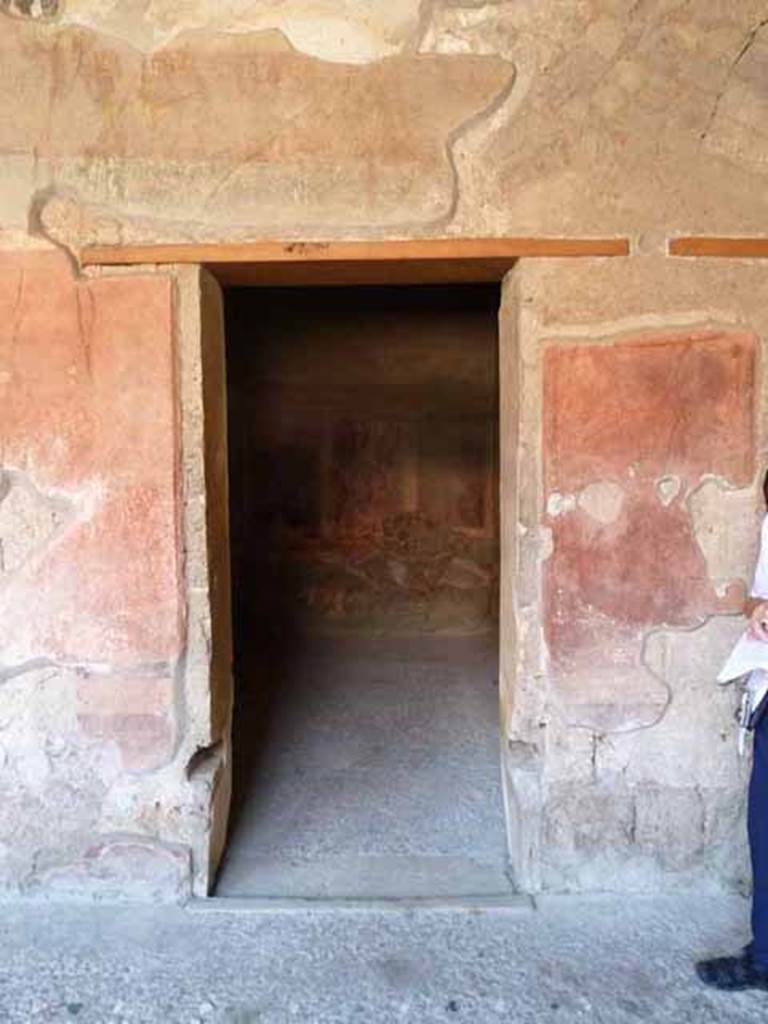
[[757, 827]]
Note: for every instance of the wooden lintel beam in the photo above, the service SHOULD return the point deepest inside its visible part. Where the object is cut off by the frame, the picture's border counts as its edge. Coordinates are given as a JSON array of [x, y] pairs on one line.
[[303, 252], [351, 261], [733, 248]]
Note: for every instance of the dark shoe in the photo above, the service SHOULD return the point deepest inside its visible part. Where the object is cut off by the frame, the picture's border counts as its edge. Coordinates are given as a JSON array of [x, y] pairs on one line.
[[732, 973]]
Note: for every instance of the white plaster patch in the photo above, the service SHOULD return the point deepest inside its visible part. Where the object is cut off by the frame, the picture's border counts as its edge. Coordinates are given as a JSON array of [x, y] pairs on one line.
[[455, 30], [602, 501], [558, 504], [668, 488], [350, 31], [695, 742], [547, 543], [28, 521], [725, 525]]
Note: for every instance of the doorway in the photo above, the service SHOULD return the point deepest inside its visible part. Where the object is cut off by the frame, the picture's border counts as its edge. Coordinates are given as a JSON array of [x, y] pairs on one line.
[[363, 451]]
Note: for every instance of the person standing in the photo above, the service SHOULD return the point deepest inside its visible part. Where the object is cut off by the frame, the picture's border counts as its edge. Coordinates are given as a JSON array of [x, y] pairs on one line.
[[749, 968]]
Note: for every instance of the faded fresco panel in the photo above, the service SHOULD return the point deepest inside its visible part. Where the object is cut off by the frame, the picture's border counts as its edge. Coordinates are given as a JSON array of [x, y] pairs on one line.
[[88, 426], [89, 559], [630, 429]]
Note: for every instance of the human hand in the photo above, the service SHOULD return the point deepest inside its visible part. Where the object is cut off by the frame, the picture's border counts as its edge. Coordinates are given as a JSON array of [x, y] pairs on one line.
[[758, 622]]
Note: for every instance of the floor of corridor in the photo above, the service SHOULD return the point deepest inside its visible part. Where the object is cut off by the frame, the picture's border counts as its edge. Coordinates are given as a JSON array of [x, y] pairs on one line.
[[377, 776], [615, 959]]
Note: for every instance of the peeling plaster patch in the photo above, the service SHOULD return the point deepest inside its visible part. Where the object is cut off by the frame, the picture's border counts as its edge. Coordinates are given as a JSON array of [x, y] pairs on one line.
[[546, 543], [725, 525], [126, 867], [733, 127], [34, 9], [256, 166], [612, 699], [688, 395], [335, 39], [52, 784], [558, 504], [666, 755], [352, 31], [602, 501], [454, 30], [104, 584], [28, 520], [668, 488]]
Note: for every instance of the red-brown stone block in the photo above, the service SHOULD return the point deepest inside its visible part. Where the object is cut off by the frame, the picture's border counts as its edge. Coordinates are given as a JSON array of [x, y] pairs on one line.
[[88, 416], [618, 420]]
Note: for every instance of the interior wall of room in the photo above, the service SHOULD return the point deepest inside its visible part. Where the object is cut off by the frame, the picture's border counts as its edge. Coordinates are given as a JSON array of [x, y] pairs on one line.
[[363, 427]]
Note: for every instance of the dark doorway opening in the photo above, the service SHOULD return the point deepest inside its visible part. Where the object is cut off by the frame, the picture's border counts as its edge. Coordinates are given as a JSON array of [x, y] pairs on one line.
[[363, 440]]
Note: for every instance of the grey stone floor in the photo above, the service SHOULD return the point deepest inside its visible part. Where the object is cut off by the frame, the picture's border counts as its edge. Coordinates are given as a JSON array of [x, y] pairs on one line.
[[606, 960], [379, 774]]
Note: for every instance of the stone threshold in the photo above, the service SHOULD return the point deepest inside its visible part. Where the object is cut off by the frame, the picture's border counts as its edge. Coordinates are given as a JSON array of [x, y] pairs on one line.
[[502, 903]]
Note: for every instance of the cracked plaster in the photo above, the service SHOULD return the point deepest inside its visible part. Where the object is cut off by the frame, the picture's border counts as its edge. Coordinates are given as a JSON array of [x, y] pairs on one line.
[[29, 520], [487, 119], [668, 488], [346, 31], [610, 764], [30, 8], [747, 69], [285, 147], [614, 102], [634, 410], [726, 525], [90, 636], [608, 98]]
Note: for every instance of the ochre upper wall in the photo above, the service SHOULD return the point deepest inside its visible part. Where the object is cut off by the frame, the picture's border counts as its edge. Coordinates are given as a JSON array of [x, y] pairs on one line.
[[234, 119]]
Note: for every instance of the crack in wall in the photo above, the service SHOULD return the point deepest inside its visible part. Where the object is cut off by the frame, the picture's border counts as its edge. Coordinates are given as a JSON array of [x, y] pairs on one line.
[[56, 198], [596, 738], [743, 51], [424, 24], [663, 629], [85, 318], [18, 316], [458, 135], [87, 669]]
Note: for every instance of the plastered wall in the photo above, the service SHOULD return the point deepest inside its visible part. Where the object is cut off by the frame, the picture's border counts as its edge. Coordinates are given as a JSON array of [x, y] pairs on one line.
[[113, 707], [226, 121], [640, 465], [202, 119]]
